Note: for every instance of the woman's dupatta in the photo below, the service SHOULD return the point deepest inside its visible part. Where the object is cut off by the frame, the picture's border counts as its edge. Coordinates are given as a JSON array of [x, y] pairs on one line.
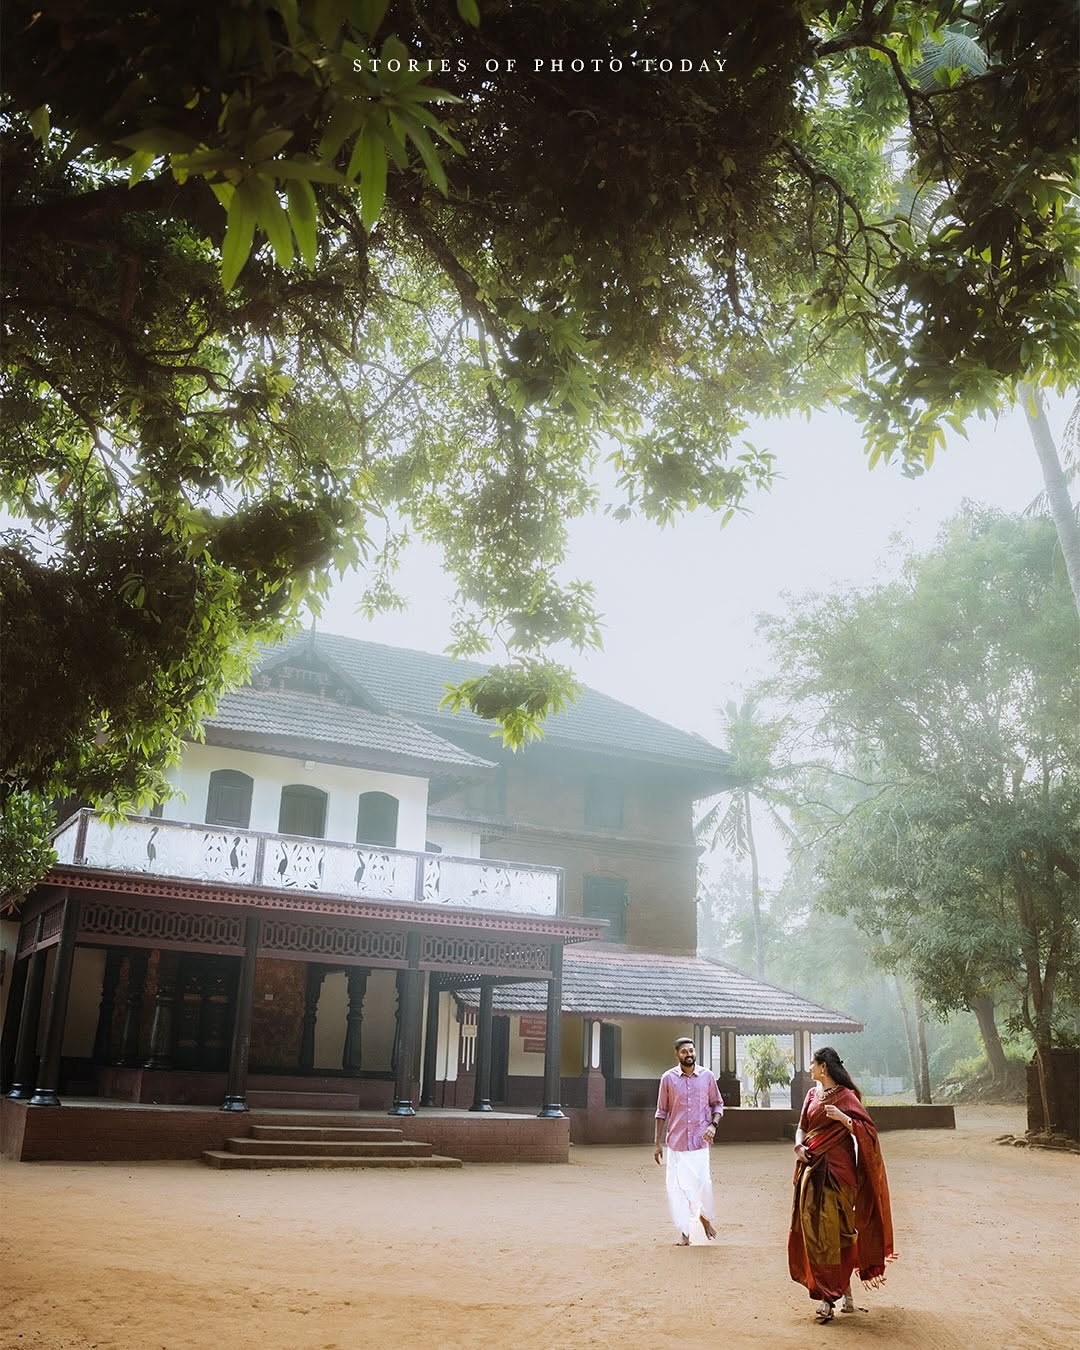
[[873, 1210]]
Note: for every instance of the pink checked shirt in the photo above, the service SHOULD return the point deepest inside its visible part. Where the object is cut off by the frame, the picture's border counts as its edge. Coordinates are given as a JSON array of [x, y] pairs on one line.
[[688, 1102]]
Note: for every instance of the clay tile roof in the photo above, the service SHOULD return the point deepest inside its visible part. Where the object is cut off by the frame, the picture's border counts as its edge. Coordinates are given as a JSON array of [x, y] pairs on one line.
[[278, 715], [609, 983], [411, 683]]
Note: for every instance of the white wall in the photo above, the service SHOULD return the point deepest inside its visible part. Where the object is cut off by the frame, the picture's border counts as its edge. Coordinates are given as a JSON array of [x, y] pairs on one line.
[[271, 773], [455, 839], [648, 1046]]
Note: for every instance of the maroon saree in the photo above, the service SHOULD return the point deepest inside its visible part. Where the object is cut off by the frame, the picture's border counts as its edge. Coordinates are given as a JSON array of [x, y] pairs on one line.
[[841, 1220]]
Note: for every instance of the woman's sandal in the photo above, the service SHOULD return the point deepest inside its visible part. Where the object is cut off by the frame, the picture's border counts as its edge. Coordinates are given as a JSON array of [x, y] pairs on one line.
[[825, 1312]]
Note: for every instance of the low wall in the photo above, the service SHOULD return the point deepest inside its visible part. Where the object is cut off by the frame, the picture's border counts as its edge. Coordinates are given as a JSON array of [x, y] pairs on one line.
[[87, 1132], [740, 1125]]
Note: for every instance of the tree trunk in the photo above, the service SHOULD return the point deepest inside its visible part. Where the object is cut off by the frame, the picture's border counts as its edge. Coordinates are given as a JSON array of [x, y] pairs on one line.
[[983, 1008], [923, 1095], [1057, 489], [755, 890], [905, 1018], [1047, 1087]]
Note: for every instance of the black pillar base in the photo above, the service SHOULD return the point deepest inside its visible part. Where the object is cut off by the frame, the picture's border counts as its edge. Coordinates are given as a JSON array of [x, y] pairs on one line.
[[235, 1104], [19, 1093], [47, 1098], [401, 1109], [551, 1111], [481, 1106]]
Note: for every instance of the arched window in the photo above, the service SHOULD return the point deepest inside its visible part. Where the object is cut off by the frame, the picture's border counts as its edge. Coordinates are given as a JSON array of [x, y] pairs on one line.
[[376, 819], [228, 801], [303, 811]]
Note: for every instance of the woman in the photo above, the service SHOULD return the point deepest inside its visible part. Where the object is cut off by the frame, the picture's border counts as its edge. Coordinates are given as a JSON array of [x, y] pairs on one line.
[[840, 1220]]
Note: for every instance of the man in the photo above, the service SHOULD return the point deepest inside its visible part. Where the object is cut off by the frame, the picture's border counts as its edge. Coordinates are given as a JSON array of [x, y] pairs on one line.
[[689, 1107]]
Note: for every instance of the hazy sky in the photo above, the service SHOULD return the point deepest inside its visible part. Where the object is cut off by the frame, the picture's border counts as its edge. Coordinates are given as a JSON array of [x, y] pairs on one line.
[[679, 604]]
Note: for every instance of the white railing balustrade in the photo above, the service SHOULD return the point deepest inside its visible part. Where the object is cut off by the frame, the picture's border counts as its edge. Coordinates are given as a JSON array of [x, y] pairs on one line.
[[211, 853]]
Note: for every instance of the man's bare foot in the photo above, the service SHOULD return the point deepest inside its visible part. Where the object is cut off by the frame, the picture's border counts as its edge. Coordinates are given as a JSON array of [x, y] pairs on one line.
[[710, 1231], [684, 1240]]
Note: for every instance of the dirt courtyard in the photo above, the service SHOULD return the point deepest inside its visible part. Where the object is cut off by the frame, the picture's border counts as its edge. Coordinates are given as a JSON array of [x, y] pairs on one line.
[[174, 1255]]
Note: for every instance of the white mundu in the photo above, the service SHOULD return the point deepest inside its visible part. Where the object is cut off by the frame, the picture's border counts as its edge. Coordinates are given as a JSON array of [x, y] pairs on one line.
[[689, 1187]]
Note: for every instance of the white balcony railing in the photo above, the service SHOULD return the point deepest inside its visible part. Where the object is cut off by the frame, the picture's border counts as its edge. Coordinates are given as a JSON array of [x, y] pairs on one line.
[[211, 853]]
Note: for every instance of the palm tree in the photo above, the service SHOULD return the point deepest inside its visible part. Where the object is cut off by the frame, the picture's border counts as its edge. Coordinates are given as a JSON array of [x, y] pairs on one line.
[[753, 744]]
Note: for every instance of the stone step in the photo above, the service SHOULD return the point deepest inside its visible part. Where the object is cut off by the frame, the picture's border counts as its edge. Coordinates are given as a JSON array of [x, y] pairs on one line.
[[348, 1134], [261, 1098], [251, 1161], [320, 1148]]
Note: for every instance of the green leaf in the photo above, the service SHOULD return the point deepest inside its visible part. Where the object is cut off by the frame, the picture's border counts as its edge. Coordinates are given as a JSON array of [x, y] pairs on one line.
[[346, 117], [327, 18], [271, 216], [138, 166], [269, 144], [288, 11], [368, 15], [306, 170], [303, 214], [206, 161], [428, 153], [469, 11], [239, 232], [39, 122], [161, 140], [369, 160]]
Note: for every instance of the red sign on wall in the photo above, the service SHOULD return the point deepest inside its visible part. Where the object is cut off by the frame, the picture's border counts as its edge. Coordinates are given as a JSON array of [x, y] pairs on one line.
[[533, 1047], [534, 1026]]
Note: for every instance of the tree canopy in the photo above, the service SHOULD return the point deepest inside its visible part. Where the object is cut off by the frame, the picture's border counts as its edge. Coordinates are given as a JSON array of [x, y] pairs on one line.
[[273, 300], [951, 694]]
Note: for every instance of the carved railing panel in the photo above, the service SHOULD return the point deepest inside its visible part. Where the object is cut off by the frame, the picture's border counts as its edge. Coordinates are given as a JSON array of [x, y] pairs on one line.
[[210, 853], [100, 919], [206, 853], [466, 883], [484, 953], [321, 939]]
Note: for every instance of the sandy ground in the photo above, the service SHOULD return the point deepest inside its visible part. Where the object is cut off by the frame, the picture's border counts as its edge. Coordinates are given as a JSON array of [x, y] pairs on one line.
[[175, 1255]]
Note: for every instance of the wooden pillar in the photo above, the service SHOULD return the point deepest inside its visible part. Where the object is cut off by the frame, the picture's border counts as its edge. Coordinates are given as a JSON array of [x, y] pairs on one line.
[[727, 1080], [240, 1052], [408, 1030], [801, 1081], [356, 981], [133, 1009], [315, 976], [24, 1070], [161, 1030], [102, 1052], [482, 1087], [551, 1108], [431, 1041], [48, 1079], [12, 1016]]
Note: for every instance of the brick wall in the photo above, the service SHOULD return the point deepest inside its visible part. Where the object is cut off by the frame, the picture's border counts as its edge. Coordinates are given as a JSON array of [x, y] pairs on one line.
[[652, 851], [131, 1134]]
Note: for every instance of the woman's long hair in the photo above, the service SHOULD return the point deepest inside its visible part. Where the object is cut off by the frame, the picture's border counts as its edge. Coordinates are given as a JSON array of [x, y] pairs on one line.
[[834, 1066]]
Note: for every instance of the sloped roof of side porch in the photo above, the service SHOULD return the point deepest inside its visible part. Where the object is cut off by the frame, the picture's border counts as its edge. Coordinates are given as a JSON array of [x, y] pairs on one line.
[[607, 984]]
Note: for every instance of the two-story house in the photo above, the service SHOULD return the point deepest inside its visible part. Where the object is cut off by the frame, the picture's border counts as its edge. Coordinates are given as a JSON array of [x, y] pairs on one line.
[[357, 901]]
